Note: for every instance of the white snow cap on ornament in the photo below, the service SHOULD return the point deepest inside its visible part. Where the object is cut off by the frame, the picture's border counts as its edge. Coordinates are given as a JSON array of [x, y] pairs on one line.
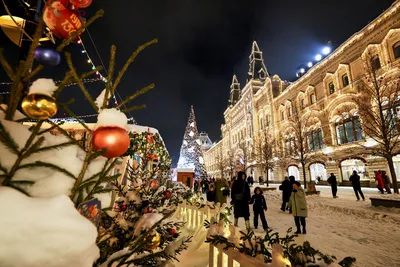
[[111, 118], [100, 99], [43, 86]]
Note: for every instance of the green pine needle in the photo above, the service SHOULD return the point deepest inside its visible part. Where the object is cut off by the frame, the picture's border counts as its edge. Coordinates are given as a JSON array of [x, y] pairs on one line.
[[40, 164], [7, 140]]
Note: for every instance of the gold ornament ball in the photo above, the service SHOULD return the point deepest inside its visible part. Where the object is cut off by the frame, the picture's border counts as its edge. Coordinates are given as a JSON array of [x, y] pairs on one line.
[[39, 107], [153, 240]]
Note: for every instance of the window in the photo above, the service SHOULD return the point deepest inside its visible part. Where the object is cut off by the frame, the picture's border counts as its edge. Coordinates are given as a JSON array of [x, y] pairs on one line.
[[345, 80], [262, 123], [396, 50], [331, 88], [290, 145], [289, 111], [282, 115], [349, 130], [303, 103], [375, 62], [312, 98], [315, 140]]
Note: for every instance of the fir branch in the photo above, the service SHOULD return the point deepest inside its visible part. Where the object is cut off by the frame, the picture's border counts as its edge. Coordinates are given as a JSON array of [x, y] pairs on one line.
[[111, 67], [133, 108], [91, 72], [26, 67], [79, 81], [53, 147], [33, 147], [97, 154], [129, 61], [136, 94], [73, 115], [18, 189], [7, 68], [63, 83], [7, 140], [65, 133], [39, 164], [51, 128], [79, 180]]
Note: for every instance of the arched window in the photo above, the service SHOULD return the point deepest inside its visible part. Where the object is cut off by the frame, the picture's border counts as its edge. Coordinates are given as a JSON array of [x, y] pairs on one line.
[[331, 88], [315, 140], [348, 130], [312, 98], [396, 50], [375, 62], [303, 103]]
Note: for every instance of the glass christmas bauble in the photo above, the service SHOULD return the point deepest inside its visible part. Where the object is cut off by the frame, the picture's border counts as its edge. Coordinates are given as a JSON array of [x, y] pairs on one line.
[[114, 139], [61, 20], [39, 107], [153, 240], [81, 3], [47, 56]]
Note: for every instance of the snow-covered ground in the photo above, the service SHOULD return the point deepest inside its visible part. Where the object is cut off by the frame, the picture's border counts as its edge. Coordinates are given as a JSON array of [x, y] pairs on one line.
[[341, 227]]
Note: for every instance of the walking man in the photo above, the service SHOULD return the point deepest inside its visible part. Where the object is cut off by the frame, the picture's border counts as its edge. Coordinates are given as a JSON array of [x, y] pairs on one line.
[[333, 183], [355, 181]]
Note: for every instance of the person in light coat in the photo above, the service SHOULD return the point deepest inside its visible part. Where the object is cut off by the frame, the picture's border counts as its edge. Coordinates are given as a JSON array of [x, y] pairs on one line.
[[298, 203]]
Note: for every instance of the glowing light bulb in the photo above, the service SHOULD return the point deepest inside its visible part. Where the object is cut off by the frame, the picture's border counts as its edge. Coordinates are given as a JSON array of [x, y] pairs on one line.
[[318, 57], [310, 64], [326, 50]]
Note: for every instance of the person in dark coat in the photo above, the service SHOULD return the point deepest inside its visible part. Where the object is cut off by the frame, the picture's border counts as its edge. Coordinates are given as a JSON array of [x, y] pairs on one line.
[[286, 188], [333, 183], [386, 181], [355, 182], [211, 194], [292, 181], [259, 206], [240, 198]]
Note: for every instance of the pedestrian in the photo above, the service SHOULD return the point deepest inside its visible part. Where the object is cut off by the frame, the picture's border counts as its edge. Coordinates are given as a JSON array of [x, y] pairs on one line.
[[299, 207], [333, 183], [291, 180], [259, 206], [355, 182], [386, 181], [261, 180], [211, 194], [196, 186], [220, 186], [286, 187], [379, 181], [240, 198]]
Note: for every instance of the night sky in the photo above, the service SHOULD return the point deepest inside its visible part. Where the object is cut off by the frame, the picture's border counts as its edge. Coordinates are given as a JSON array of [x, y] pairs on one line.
[[201, 44]]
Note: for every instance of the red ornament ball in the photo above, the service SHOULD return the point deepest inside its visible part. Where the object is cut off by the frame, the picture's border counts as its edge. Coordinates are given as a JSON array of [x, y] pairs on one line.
[[61, 20], [154, 184], [81, 3], [123, 207], [167, 194], [114, 139], [147, 210], [172, 231]]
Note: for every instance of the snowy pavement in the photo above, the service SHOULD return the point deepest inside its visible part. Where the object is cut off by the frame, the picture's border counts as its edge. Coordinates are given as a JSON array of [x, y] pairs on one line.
[[341, 227]]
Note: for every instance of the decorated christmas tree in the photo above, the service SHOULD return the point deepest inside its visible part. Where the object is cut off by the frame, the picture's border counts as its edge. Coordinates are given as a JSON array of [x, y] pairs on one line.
[[56, 189], [191, 156]]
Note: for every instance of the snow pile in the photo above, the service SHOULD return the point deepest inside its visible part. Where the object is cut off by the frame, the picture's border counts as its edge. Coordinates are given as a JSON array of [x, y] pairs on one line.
[[43, 86], [146, 222], [100, 99], [111, 118], [47, 232]]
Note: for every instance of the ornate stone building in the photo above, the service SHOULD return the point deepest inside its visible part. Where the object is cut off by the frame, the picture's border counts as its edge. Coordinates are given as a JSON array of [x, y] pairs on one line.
[[325, 94]]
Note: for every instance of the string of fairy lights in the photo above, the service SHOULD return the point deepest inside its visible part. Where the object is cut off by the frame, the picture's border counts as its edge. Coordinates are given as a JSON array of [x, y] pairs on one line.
[[100, 77]]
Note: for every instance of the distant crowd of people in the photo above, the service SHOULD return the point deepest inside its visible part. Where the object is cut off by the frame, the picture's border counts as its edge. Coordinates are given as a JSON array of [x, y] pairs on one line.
[[293, 196]]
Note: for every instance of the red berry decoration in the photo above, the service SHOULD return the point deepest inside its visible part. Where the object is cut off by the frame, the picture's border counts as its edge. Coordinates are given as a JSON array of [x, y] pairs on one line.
[[115, 139], [123, 207], [81, 3], [147, 210], [172, 231], [167, 194], [154, 184]]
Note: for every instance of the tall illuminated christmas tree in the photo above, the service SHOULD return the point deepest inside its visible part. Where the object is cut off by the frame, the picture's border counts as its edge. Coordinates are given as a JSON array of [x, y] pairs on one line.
[[191, 155]]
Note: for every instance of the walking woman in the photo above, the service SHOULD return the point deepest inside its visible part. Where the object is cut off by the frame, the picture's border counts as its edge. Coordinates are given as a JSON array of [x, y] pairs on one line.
[[240, 198], [298, 204]]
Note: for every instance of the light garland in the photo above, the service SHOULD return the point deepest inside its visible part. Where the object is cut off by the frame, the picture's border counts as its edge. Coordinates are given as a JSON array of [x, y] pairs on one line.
[[90, 61]]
